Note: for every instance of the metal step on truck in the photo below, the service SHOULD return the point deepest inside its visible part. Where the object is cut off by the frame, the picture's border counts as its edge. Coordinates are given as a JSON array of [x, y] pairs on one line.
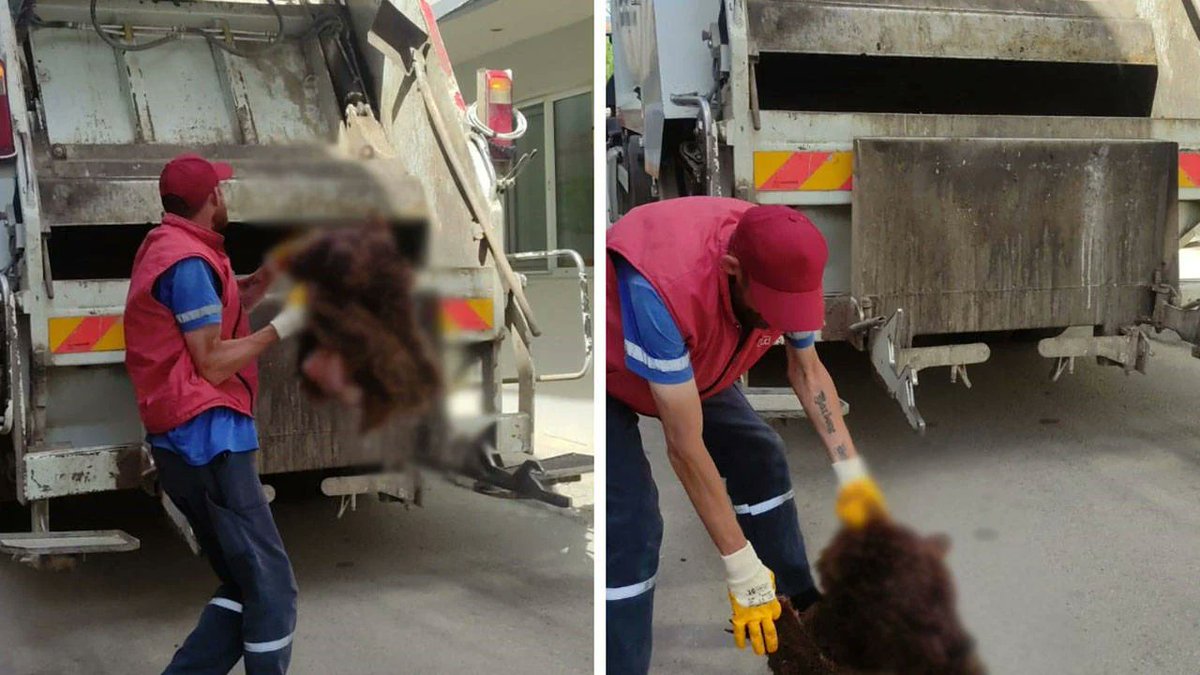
[[101, 94], [980, 168]]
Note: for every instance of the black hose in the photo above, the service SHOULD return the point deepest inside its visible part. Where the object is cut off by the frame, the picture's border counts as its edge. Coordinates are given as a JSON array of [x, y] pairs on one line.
[[1189, 6], [274, 42], [117, 44], [318, 26]]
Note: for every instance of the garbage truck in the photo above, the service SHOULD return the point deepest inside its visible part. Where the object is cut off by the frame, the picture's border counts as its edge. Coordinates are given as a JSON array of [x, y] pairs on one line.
[[331, 113], [981, 169]]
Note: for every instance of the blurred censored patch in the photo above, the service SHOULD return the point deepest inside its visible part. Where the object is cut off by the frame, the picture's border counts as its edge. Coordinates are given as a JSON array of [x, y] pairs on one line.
[[362, 310]]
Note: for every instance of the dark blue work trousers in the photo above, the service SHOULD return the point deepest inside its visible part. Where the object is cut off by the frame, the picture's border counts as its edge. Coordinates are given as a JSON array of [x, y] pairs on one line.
[[749, 454], [252, 615]]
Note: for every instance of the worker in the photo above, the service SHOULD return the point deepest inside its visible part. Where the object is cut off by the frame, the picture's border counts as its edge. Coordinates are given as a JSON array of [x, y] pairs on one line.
[[699, 288], [192, 359]]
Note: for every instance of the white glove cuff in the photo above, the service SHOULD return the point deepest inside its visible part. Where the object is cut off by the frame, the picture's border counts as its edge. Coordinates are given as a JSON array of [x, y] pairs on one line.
[[850, 470], [289, 322], [742, 565]]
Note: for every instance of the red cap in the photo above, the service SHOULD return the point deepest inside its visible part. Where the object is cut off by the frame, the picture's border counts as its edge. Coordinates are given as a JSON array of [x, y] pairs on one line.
[[783, 255], [192, 178]]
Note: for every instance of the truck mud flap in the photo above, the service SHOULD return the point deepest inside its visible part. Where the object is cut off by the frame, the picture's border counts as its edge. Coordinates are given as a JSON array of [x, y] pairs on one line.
[[954, 236], [975, 235]]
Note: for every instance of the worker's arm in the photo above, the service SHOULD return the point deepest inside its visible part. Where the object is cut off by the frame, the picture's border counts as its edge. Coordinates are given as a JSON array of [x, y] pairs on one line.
[[859, 498], [818, 396], [656, 351], [682, 421], [217, 360], [190, 290], [751, 584]]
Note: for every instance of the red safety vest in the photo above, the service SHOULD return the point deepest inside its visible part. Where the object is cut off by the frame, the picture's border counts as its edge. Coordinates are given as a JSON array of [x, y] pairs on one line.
[[677, 245], [169, 389]]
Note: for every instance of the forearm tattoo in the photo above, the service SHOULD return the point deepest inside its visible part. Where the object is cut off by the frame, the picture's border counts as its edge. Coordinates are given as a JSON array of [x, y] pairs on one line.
[[826, 414]]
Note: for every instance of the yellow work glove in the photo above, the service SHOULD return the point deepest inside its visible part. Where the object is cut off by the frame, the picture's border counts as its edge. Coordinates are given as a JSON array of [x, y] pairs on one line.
[[752, 595], [859, 498]]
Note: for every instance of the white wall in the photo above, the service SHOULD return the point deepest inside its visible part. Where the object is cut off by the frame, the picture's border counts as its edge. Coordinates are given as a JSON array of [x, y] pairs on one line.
[[564, 409], [550, 63], [555, 301]]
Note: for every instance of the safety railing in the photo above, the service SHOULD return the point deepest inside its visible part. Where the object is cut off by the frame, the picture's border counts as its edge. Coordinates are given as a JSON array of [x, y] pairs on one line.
[[585, 306]]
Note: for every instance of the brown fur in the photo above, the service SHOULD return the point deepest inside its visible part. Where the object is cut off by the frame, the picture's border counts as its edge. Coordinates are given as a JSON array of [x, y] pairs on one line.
[[888, 607], [798, 650], [361, 306]]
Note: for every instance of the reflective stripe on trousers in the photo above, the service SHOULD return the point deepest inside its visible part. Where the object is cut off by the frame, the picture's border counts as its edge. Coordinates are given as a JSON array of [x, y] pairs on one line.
[[252, 616], [630, 591], [750, 456]]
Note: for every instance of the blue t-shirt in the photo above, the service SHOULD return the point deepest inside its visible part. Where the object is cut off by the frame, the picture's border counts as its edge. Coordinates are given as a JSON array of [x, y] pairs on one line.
[[190, 290], [654, 347]]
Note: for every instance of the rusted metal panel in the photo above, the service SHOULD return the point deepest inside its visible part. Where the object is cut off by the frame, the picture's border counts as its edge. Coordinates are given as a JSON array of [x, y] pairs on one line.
[[1049, 31], [406, 119], [783, 130], [187, 90], [974, 235], [333, 190], [177, 95], [90, 407], [59, 473], [276, 96], [112, 192], [90, 202], [80, 88]]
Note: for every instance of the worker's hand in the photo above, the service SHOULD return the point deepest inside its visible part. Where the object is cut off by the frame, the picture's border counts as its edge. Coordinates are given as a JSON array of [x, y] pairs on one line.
[[859, 498], [294, 315], [267, 273], [752, 595]]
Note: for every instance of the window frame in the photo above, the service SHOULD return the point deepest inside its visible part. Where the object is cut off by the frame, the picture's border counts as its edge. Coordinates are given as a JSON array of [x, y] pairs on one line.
[[551, 188]]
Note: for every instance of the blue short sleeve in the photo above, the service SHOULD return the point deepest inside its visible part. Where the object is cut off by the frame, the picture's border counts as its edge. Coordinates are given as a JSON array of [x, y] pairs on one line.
[[189, 289], [802, 340], [654, 347]]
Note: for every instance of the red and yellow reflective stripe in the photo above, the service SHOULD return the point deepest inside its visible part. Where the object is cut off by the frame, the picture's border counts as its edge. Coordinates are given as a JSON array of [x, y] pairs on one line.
[[78, 334], [803, 171], [467, 314], [811, 171], [1189, 169]]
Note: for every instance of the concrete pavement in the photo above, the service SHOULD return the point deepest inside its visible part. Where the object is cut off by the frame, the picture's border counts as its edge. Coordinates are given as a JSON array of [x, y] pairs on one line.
[[1074, 510], [469, 583]]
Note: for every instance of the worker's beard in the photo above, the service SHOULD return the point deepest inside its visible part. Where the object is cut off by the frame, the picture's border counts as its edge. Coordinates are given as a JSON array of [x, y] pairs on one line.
[[220, 219], [746, 315]]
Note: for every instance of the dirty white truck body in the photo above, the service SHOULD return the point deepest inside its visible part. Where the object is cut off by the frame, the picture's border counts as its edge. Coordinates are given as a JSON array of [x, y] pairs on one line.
[[312, 136], [978, 167]]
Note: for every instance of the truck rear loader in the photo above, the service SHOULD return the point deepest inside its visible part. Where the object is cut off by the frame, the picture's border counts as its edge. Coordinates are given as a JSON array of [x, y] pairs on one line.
[[102, 94], [979, 168]]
